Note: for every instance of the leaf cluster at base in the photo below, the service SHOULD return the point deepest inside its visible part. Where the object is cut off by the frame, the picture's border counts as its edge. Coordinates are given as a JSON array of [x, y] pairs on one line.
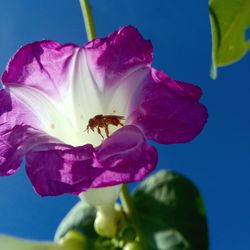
[[170, 212]]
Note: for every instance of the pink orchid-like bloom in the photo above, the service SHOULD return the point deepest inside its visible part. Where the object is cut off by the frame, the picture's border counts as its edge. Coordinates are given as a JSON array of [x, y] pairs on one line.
[[51, 91]]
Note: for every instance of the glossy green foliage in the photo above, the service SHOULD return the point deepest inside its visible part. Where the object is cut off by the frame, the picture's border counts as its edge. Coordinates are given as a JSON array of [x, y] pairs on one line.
[[171, 213], [73, 240], [229, 21], [81, 218]]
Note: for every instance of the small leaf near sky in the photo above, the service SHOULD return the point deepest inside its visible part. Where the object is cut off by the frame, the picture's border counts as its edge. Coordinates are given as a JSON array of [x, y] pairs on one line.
[[229, 21]]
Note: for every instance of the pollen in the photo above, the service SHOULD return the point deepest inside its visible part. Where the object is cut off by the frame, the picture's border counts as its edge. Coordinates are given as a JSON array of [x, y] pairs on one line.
[[52, 125]]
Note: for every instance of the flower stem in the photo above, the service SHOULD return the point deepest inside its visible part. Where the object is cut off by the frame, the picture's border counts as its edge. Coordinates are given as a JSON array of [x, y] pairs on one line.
[[88, 20], [129, 208], [127, 202]]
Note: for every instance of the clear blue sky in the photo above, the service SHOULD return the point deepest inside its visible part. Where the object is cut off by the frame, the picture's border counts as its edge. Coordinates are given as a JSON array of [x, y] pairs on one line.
[[218, 161]]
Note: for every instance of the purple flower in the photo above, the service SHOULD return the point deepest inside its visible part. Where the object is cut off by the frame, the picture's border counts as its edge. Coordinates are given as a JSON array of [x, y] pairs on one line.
[[50, 91]]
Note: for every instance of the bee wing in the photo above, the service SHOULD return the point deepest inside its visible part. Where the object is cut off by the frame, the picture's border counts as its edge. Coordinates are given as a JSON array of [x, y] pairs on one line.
[[115, 117]]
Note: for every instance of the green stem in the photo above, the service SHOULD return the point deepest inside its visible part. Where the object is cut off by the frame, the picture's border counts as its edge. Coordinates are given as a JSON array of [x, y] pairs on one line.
[[88, 20], [129, 208], [127, 202]]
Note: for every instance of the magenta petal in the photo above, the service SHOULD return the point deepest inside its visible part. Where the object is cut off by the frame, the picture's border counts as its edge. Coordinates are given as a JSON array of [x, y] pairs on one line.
[[10, 152], [41, 65], [120, 53], [168, 111], [55, 169], [16, 138], [60, 168], [126, 156]]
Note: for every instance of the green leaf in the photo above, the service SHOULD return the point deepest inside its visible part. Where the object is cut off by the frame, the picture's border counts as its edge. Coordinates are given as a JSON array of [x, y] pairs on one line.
[[71, 241], [171, 213], [81, 218], [12, 243], [171, 239], [229, 20]]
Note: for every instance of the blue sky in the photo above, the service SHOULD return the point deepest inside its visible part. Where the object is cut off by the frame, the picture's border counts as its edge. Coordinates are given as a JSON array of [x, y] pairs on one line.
[[218, 161]]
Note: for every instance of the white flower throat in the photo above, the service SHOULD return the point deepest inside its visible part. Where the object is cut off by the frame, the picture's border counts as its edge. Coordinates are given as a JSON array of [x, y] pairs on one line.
[[66, 113], [83, 103]]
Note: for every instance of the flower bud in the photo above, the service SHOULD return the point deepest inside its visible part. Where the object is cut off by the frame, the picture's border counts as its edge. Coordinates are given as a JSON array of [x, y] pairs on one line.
[[107, 217], [73, 240], [106, 221], [133, 246]]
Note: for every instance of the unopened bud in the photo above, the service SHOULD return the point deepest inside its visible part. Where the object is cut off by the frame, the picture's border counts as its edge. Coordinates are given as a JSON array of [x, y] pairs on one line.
[[133, 246], [103, 199], [107, 220], [73, 240]]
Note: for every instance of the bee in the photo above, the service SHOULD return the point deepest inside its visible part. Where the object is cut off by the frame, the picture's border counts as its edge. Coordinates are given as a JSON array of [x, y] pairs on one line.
[[103, 121]]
